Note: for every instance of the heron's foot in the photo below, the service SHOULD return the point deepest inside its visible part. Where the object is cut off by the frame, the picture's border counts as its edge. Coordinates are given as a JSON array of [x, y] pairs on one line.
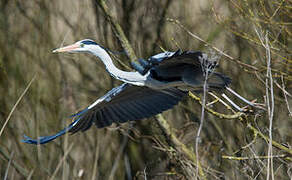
[[139, 68], [144, 63], [257, 107], [251, 107]]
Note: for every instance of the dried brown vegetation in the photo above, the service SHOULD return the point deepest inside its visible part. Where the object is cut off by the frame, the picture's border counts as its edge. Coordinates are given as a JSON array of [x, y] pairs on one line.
[[38, 90]]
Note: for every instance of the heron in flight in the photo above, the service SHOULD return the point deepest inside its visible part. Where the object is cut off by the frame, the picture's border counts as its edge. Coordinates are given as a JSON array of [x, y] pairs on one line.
[[158, 84]]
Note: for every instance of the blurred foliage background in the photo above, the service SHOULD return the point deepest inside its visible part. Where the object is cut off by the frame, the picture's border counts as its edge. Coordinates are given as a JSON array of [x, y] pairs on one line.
[[63, 84]]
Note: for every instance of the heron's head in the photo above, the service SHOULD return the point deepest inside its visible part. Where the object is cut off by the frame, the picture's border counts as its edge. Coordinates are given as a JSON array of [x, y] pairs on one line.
[[85, 45]]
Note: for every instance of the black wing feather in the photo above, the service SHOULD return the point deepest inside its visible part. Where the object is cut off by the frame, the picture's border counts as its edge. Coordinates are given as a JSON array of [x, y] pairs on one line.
[[181, 57], [132, 103], [121, 104], [186, 67]]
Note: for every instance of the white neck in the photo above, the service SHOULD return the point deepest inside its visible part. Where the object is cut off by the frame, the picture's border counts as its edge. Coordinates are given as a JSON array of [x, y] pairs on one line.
[[128, 77]]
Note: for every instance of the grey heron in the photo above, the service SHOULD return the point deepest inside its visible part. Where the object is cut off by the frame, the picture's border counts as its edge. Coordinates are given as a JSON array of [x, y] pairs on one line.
[[158, 84]]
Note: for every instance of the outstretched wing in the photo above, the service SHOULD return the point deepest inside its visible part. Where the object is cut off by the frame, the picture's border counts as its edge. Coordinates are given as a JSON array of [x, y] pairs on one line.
[[121, 104]]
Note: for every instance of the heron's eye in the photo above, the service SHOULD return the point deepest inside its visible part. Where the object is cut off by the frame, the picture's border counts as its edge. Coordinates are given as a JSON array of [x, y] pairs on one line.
[[82, 45]]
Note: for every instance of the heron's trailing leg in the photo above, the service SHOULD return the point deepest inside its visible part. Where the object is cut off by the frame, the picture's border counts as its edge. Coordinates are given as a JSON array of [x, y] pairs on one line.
[[240, 97], [255, 105], [232, 103]]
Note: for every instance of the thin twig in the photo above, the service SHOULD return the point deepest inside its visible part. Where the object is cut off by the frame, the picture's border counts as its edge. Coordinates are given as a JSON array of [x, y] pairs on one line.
[[145, 173], [209, 45], [249, 158], [240, 115], [282, 89], [274, 143], [269, 101], [285, 95], [201, 120], [271, 109]]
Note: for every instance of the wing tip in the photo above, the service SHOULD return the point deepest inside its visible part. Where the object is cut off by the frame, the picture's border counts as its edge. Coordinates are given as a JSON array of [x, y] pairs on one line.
[[46, 139], [40, 140]]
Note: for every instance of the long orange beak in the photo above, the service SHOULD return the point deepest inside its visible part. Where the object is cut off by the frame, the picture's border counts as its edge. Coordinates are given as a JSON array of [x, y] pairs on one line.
[[66, 48]]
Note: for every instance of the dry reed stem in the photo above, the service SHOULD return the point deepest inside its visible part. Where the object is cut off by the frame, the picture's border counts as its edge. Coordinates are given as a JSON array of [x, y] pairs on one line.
[[30, 175], [61, 161], [118, 157], [8, 166], [94, 173], [15, 105], [17, 166]]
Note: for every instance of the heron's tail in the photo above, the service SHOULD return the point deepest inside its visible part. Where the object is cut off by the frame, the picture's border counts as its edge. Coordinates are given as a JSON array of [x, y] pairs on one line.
[[218, 81]]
